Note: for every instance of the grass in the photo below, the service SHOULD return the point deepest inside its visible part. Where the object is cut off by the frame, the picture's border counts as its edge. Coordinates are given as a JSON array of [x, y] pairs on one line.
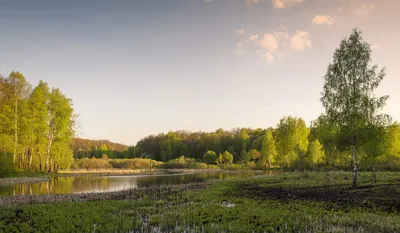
[[290, 202]]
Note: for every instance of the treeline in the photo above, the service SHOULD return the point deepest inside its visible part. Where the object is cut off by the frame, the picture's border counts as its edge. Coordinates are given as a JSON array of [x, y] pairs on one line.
[[85, 148], [36, 126], [351, 133], [290, 144]]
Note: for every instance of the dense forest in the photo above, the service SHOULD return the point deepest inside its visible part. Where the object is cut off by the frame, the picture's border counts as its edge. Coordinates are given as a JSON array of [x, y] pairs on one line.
[[36, 126], [85, 148]]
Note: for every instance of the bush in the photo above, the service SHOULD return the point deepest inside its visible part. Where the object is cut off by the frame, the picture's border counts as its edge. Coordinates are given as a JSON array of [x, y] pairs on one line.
[[137, 163], [210, 157], [91, 164]]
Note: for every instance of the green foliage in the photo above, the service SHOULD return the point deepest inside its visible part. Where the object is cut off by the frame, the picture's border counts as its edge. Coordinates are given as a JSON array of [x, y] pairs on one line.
[[291, 140], [36, 125], [227, 157], [268, 148], [210, 157], [244, 156], [315, 152], [254, 155], [348, 95]]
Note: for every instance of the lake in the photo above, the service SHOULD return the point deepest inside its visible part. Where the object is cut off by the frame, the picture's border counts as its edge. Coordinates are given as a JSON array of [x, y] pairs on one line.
[[107, 183]]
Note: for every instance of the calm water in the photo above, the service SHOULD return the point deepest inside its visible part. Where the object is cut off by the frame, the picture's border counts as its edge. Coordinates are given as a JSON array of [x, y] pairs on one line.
[[91, 183]]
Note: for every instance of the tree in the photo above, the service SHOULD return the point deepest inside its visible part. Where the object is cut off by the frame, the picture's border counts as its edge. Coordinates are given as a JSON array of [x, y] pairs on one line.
[[348, 93], [38, 124], [391, 155], [19, 89], [243, 156], [291, 140], [210, 157], [326, 133], [268, 149], [60, 131], [316, 152], [227, 157], [254, 155]]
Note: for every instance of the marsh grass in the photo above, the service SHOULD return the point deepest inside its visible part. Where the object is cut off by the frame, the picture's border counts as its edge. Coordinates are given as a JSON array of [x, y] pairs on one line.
[[183, 208]]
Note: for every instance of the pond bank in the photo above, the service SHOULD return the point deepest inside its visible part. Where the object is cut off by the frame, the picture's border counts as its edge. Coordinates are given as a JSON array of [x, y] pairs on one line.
[[23, 180], [154, 192]]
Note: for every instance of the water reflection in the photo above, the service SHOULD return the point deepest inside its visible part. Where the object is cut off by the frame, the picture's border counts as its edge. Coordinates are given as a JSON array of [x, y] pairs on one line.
[[90, 183]]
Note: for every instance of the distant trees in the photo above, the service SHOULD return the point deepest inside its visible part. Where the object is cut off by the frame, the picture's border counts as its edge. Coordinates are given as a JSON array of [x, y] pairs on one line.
[[210, 157], [85, 148], [348, 95], [316, 152], [292, 140], [36, 125], [268, 147]]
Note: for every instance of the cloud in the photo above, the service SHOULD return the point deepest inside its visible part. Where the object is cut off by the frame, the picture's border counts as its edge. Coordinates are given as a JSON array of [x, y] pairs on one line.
[[364, 9], [375, 46], [273, 46], [238, 31], [240, 48], [268, 58], [300, 41], [253, 37], [322, 19], [269, 42], [280, 4], [207, 0]]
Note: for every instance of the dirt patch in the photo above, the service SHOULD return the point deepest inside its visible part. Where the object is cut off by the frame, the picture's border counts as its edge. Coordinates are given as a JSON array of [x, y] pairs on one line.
[[383, 197]]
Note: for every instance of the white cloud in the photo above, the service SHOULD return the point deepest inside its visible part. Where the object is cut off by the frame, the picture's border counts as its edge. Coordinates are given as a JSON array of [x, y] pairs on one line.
[[300, 41], [253, 37], [269, 42], [268, 58], [240, 48], [364, 9], [285, 3], [375, 46], [274, 46], [238, 31], [322, 19]]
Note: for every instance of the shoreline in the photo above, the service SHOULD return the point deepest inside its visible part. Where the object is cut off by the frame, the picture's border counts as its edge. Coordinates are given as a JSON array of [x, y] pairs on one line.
[[23, 180], [154, 191], [9, 181]]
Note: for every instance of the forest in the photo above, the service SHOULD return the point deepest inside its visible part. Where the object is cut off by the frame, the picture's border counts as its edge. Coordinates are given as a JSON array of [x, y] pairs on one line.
[[36, 126]]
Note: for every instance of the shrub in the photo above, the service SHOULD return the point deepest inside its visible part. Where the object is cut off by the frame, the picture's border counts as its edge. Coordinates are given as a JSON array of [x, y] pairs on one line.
[[137, 163], [210, 157], [92, 164]]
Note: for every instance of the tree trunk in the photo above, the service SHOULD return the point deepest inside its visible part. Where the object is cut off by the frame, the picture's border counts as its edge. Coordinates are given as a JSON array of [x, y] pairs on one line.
[[353, 153], [47, 165], [269, 164], [50, 164], [15, 130], [29, 159]]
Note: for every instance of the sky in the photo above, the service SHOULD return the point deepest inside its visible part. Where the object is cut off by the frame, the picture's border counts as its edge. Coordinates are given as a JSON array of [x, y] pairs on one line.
[[140, 67]]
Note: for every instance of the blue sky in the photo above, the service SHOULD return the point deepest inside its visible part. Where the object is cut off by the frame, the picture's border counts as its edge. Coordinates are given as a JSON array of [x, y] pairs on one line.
[[135, 68]]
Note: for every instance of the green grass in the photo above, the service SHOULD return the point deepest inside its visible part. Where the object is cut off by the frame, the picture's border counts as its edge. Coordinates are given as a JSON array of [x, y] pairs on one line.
[[291, 202]]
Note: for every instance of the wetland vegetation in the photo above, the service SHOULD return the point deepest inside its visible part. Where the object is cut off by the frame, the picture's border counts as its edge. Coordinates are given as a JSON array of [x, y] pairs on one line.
[[288, 202]]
